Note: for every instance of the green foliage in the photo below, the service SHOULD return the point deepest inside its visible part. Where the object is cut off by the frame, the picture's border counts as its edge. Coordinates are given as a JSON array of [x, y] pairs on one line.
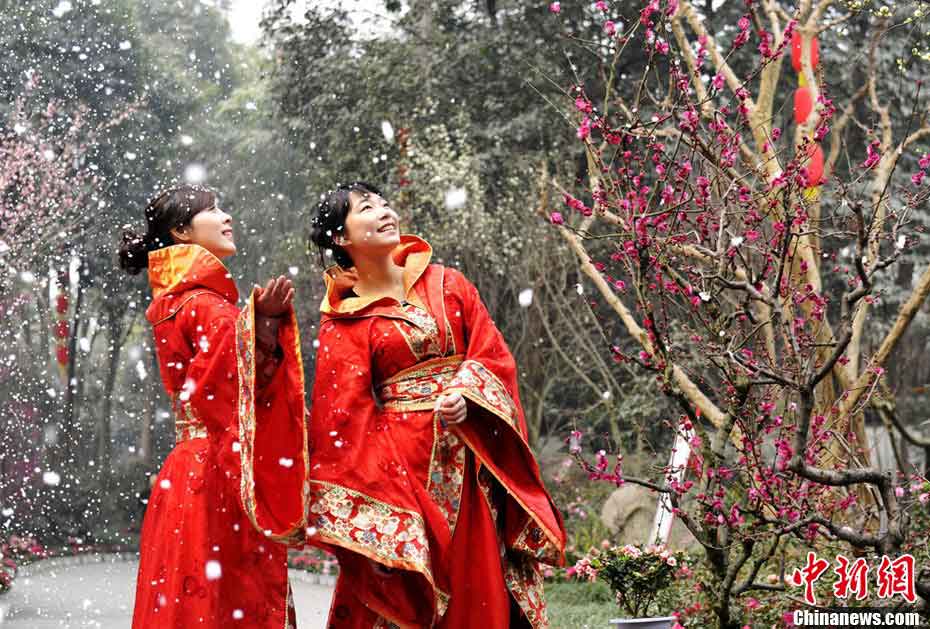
[[579, 604], [640, 577]]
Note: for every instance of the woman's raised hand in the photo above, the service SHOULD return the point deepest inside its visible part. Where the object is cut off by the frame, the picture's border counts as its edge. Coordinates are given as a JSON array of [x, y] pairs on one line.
[[275, 297], [451, 408]]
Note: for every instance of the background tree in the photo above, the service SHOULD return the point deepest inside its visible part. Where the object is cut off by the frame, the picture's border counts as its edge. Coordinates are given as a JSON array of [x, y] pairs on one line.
[[746, 279]]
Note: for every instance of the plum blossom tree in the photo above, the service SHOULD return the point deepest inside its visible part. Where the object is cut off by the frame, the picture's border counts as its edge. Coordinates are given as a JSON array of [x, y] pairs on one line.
[[746, 264], [46, 181]]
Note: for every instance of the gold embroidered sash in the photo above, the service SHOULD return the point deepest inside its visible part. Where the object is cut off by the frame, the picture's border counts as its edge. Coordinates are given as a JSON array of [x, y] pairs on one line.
[[417, 388], [187, 425]]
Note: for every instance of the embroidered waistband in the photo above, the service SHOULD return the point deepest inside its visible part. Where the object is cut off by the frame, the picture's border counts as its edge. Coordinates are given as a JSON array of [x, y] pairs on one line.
[[417, 388], [187, 425]]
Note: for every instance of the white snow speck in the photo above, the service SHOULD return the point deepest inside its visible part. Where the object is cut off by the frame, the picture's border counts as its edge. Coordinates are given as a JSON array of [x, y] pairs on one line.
[[125, 45], [525, 297], [164, 483], [51, 478], [456, 198], [293, 270], [213, 570], [387, 130], [238, 614], [285, 462], [63, 7], [195, 174]]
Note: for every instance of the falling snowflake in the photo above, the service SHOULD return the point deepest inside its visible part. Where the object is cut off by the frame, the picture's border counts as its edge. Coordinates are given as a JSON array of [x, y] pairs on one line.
[[456, 198], [213, 570], [63, 7], [387, 130], [195, 174]]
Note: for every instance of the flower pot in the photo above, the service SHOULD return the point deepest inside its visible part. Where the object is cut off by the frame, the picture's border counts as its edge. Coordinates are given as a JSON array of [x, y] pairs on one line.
[[662, 622]]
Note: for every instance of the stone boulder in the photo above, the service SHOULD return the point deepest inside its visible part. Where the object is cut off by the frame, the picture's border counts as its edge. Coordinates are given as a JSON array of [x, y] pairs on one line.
[[629, 512]]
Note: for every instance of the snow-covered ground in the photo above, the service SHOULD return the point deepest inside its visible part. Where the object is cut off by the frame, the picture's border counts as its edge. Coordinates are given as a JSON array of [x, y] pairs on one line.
[[99, 596]]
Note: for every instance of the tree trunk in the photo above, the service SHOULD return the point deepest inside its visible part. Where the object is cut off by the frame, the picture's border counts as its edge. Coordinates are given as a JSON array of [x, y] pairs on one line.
[[149, 416], [67, 438], [104, 447]]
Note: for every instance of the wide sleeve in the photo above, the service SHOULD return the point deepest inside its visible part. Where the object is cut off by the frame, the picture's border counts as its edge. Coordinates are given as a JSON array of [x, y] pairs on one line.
[[363, 505], [495, 429], [258, 436]]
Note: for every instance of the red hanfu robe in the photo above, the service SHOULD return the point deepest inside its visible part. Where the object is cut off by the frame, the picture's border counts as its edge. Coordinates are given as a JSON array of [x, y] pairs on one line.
[[234, 486], [459, 513]]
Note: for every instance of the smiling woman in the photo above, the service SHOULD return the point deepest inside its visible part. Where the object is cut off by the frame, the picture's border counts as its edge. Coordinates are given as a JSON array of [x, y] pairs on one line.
[[229, 490], [420, 456]]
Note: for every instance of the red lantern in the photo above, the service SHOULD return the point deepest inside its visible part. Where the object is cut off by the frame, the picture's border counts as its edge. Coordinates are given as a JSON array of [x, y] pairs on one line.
[[62, 303], [62, 354], [803, 104], [814, 164], [796, 51], [62, 329]]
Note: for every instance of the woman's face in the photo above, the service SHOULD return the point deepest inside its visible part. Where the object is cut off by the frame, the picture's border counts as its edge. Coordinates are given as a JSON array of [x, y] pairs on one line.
[[212, 230], [371, 225]]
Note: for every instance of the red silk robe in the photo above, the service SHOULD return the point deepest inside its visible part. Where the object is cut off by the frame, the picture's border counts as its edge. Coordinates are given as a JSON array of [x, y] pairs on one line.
[[458, 514], [234, 485]]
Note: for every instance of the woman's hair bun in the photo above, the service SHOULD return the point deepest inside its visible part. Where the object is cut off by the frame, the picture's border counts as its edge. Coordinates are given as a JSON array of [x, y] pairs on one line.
[[133, 253]]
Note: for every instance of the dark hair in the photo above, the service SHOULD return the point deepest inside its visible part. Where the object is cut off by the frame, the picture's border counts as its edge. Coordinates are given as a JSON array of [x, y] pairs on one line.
[[172, 208], [330, 219]]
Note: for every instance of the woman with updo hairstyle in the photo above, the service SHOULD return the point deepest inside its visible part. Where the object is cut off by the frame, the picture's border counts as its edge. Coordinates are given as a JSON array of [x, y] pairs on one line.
[[422, 482], [231, 494]]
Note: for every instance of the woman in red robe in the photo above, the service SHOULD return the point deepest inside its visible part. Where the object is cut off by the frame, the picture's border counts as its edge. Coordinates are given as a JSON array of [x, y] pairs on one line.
[[421, 478], [234, 486]]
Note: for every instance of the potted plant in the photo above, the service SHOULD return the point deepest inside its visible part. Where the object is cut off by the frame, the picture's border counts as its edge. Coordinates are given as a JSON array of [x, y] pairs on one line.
[[639, 578]]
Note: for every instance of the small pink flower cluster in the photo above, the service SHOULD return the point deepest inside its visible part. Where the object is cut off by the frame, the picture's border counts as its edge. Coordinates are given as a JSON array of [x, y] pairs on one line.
[[924, 163], [14, 550], [873, 155], [583, 569]]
